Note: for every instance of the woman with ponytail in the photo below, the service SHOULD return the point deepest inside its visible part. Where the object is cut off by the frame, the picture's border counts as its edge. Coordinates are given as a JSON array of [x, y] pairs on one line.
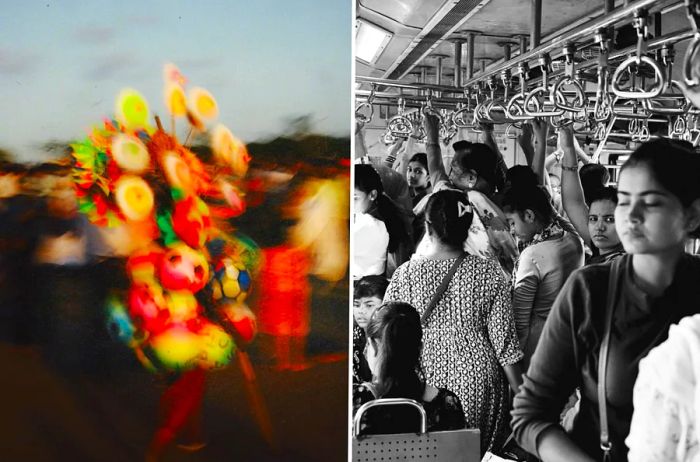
[[469, 337], [394, 342]]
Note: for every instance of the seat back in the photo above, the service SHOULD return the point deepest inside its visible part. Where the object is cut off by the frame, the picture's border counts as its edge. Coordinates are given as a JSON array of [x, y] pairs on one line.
[[445, 446]]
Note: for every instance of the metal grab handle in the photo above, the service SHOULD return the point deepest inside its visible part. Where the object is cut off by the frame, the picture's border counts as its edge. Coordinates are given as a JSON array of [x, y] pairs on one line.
[[388, 139], [627, 115], [678, 128], [537, 112], [580, 97], [400, 126], [559, 122], [362, 117], [498, 105], [510, 134], [649, 104], [480, 114], [389, 402], [514, 104], [602, 109], [460, 118], [640, 94], [688, 62]]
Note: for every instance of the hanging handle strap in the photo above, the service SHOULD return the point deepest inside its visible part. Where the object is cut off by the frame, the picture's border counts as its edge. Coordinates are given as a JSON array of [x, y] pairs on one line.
[[441, 289], [613, 284]]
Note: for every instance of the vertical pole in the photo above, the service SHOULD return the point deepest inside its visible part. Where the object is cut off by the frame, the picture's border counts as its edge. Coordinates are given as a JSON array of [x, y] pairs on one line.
[[458, 63], [438, 70], [657, 24], [470, 55], [523, 44], [506, 51], [609, 7], [536, 23]]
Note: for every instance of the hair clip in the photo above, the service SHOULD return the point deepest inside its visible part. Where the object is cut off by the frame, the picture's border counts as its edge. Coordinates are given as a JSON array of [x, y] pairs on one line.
[[463, 208]]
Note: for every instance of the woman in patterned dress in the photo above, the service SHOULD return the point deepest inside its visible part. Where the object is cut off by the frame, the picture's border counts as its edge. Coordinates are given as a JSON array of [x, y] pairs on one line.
[[470, 344], [474, 170]]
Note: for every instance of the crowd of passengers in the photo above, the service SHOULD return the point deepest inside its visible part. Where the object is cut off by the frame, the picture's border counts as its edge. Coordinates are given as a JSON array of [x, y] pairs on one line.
[[486, 294]]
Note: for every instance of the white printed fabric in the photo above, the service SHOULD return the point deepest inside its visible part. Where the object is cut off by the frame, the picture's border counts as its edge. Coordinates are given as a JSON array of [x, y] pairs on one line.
[[469, 336]]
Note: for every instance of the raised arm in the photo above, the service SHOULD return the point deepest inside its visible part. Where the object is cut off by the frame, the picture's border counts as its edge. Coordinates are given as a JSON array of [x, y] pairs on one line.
[[581, 154], [487, 139], [407, 153], [432, 149], [393, 152], [571, 191], [360, 147], [540, 129], [525, 142]]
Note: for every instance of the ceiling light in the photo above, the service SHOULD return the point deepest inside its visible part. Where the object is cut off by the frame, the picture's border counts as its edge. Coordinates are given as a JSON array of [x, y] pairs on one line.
[[370, 41]]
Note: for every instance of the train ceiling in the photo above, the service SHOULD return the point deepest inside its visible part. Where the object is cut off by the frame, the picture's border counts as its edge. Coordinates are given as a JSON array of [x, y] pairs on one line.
[[422, 33]]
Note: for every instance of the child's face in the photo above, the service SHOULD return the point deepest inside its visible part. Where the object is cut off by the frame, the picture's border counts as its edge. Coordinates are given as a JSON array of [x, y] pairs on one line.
[[362, 309]]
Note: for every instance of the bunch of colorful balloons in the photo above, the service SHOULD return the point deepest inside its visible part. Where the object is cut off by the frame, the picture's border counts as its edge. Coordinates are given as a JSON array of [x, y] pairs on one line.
[[185, 306]]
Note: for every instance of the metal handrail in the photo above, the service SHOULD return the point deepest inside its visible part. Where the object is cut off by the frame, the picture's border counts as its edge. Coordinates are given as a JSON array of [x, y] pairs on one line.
[[389, 402]]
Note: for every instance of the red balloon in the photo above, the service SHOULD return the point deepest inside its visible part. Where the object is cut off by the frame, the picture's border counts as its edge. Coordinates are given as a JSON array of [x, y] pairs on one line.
[[145, 311], [184, 268]]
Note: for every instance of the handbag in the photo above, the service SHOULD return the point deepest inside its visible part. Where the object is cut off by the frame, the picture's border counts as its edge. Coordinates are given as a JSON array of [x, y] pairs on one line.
[[613, 284], [441, 289]]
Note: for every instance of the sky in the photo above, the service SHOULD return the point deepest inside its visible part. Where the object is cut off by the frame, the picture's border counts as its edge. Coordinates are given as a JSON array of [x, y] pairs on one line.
[[63, 63]]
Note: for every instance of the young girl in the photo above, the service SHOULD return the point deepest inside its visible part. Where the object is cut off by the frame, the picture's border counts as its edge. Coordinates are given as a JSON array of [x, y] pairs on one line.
[[377, 227], [658, 209], [395, 342], [592, 213], [369, 293], [552, 250]]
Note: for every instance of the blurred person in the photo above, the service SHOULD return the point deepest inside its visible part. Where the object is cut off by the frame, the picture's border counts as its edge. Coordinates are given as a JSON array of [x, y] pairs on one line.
[[18, 213], [394, 337], [378, 229], [70, 326], [655, 286], [550, 253], [368, 295], [284, 297], [322, 215], [470, 344]]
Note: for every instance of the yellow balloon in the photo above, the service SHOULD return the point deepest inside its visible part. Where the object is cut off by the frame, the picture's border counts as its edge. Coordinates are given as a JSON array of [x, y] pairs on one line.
[[132, 109], [134, 197], [202, 104], [181, 304], [177, 348], [217, 347], [175, 100], [130, 153]]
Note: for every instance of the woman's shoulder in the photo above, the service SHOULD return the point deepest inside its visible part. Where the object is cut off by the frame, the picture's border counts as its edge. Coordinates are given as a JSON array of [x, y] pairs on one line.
[[488, 267]]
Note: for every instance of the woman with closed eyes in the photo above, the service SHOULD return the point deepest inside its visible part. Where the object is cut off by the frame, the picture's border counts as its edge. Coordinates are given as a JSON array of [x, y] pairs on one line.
[[656, 285]]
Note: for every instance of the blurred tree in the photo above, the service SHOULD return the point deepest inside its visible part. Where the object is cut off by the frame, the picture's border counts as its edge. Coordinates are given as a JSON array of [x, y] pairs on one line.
[[6, 156]]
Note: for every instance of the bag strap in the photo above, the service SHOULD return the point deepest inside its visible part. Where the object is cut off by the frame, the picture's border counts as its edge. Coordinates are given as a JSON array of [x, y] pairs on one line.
[[441, 289], [613, 284]]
